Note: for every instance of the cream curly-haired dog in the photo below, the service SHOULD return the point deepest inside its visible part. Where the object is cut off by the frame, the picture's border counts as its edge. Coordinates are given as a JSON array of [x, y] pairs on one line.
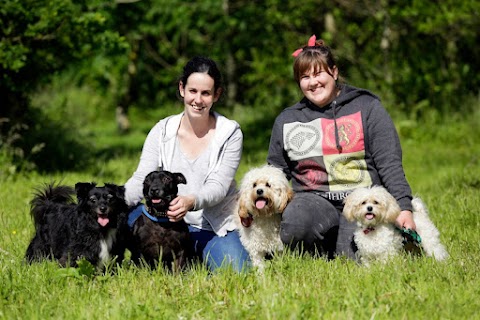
[[377, 238], [264, 194]]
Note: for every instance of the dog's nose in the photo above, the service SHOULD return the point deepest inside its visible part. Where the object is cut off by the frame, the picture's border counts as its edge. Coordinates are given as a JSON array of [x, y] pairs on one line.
[[259, 192], [369, 208], [155, 191], [103, 209]]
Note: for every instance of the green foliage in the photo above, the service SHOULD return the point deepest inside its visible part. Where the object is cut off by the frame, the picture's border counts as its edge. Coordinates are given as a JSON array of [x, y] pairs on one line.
[[45, 144], [418, 55], [41, 38], [415, 55], [38, 39]]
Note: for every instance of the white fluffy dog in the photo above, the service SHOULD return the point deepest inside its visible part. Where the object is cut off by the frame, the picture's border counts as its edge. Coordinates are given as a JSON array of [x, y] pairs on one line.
[[377, 238], [264, 194]]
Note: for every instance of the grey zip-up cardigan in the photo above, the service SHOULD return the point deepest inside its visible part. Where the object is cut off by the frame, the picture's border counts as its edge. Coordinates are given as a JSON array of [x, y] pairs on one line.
[[217, 196]]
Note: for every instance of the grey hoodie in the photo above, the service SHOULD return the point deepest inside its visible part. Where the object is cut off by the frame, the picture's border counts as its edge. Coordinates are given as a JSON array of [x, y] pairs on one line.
[[350, 143]]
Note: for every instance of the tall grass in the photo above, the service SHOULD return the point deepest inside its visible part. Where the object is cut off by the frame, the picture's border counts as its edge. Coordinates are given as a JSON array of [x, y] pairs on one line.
[[441, 160]]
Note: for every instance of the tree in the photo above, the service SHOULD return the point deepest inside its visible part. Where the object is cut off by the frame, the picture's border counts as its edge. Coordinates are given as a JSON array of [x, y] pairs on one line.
[[39, 39]]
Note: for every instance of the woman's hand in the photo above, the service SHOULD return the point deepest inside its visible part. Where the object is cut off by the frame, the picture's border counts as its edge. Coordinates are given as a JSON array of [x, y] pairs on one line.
[[405, 220], [179, 207]]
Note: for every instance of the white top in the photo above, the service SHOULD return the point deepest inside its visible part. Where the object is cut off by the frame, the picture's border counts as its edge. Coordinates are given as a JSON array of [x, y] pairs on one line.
[[217, 193], [194, 171]]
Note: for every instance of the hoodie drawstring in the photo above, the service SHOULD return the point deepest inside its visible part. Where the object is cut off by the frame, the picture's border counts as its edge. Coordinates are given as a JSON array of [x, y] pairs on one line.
[[337, 138]]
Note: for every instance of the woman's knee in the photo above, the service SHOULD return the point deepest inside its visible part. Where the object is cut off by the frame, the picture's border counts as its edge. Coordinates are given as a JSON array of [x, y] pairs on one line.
[[226, 251], [307, 219], [292, 234]]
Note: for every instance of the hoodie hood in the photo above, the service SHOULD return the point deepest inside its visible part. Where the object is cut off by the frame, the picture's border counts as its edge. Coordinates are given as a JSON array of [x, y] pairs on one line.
[[347, 94]]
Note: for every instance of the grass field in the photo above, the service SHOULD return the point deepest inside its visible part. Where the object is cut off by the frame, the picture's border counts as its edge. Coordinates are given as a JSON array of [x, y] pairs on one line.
[[442, 163]]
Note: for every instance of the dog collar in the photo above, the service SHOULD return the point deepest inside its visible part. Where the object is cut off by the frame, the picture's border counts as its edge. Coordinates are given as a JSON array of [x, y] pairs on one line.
[[368, 230], [149, 216]]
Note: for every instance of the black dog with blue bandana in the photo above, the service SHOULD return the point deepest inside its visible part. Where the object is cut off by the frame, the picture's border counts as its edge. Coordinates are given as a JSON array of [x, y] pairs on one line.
[[154, 238]]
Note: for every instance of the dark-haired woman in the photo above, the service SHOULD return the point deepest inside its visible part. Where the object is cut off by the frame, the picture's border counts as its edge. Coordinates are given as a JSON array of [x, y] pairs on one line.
[[206, 148], [336, 139]]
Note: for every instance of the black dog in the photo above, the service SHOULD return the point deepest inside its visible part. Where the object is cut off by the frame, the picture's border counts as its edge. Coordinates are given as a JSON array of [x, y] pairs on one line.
[[155, 238], [66, 231]]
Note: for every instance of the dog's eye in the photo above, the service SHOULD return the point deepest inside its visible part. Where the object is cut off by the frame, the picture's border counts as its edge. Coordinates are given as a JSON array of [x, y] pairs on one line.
[[364, 202], [93, 199], [268, 185], [255, 185], [375, 202]]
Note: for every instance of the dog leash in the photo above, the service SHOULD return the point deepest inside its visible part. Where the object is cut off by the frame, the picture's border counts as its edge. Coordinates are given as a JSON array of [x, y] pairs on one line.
[[410, 235]]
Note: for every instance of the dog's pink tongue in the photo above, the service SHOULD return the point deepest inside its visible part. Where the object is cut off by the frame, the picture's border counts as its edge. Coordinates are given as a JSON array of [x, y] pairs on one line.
[[369, 216], [102, 221], [156, 200], [260, 204]]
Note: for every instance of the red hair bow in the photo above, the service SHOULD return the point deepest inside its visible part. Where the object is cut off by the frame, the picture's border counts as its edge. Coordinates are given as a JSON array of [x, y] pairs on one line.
[[311, 43]]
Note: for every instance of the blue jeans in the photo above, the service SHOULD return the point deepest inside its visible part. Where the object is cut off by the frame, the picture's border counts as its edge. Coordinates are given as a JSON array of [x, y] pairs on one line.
[[211, 249], [217, 251]]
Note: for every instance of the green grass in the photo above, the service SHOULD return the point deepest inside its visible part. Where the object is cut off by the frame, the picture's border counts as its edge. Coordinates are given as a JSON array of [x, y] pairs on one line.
[[442, 164]]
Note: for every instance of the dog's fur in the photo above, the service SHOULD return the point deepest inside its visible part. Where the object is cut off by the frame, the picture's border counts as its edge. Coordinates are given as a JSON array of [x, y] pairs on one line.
[[67, 231], [264, 194], [161, 241], [377, 239]]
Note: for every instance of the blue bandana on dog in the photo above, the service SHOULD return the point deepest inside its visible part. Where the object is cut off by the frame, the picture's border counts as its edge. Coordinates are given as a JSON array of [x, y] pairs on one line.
[[137, 212]]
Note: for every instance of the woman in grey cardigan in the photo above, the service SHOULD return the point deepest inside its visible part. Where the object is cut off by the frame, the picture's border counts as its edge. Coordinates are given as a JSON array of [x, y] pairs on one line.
[[206, 148]]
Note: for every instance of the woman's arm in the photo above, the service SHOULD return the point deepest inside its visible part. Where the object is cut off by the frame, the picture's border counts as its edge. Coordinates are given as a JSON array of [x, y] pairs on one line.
[[149, 161], [387, 155], [220, 179]]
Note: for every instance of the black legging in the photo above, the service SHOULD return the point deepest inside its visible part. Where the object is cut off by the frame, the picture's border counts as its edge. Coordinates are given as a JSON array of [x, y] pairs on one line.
[[310, 222]]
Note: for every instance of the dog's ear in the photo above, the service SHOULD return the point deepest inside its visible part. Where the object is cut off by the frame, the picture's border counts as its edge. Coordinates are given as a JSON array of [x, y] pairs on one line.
[[245, 218], [285, 200], [118, 190], [179, 178], [348, 208], [242, 208], [393, 210], [82, 189], [121, 192]]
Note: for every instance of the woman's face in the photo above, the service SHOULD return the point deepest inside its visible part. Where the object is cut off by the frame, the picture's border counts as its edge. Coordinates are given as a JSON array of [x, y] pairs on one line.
[[318, 86], [198, 93]]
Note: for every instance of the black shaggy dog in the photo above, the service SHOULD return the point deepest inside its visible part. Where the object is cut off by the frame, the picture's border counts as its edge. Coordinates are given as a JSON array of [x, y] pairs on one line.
[[67, 231], [155, 238]]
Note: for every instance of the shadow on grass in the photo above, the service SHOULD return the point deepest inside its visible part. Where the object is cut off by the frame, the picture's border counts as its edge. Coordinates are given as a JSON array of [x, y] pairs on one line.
[[51, 146], [35, 142]]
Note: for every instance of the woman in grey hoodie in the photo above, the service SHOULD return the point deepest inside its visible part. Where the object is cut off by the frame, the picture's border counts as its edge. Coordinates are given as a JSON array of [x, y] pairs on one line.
[[336, 139], [206, 148]]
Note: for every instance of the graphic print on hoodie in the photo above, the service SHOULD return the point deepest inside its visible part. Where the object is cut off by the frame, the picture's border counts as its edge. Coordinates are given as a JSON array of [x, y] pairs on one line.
[[319, 164]]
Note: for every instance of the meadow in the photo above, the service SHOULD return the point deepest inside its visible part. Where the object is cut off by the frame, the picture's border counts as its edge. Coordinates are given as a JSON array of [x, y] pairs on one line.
[[442, 164]]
